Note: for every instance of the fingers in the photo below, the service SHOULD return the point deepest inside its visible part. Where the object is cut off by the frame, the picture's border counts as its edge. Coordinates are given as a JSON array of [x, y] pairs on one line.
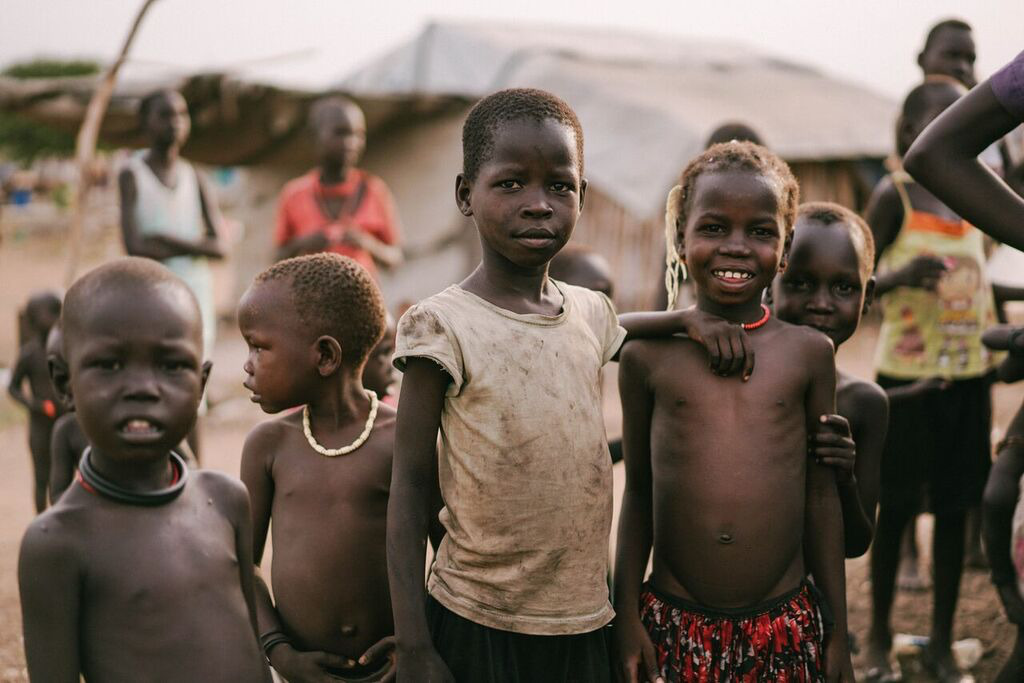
[[378, 650], [837, 422], [629, 670], [333, 660], [735, 360], [650, 663], [714, 355], [748, 355]]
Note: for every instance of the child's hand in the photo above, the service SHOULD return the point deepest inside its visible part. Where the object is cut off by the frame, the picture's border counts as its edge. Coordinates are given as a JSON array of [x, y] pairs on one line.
[[635, 660], [838, 665], [727, 344], [383, 648], [832, 445], [306, 667], [923, 272], [1005, 338], [1013, 603]]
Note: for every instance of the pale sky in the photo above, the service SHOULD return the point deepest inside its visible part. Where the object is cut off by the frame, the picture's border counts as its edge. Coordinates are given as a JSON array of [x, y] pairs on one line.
[[311, 43]]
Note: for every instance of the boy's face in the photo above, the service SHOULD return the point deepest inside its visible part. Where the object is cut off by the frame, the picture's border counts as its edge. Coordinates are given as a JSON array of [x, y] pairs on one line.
[[281, 358], [951, 53], [340, 133], [167, 121], [136, 375], [527, 195], [734, 237], [822, 286], [379, 374]]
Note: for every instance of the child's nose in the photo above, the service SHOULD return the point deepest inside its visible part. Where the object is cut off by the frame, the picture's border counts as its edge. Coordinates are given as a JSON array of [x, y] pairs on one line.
[[536, 206], [142, 386]]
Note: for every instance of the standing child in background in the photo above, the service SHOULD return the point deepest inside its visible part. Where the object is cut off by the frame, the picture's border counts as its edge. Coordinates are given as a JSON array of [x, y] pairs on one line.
[[1003, 505], [718, 477], [167, 211], [507, 365], [68, 441], [338, 207], [41, 313], [142, 570], [380, 375], [828, 285], [322, 474], [936, 302]]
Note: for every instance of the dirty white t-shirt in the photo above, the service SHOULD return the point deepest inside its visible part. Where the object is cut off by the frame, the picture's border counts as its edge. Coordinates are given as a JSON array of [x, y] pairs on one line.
[[524, 466]]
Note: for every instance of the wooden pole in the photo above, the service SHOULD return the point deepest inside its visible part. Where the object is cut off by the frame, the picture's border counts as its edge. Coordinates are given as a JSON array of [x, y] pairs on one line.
[[85, 143]]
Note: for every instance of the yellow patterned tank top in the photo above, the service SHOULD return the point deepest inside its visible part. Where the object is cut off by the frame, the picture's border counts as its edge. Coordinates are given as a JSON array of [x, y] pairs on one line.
[[935, 333]]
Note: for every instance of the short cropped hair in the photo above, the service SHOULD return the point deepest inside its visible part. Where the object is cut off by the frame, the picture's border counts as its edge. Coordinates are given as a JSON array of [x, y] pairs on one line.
[[321, 105], [725, 156], [513, 104], [935, 30], [829, 213], [130, 274], [733, 130], [334, 296]]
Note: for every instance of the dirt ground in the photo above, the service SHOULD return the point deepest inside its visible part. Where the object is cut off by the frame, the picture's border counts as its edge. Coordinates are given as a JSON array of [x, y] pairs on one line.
[[28, 264]]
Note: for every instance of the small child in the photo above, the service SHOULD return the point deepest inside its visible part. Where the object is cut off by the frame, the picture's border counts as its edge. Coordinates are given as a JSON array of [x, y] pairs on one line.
[[507, 366], [68, 441], [828, 285], [142, 570], [1003, 505], [167, 211], [718, 477], [936, 302], [380, 375], [322, 474], [41, 313]]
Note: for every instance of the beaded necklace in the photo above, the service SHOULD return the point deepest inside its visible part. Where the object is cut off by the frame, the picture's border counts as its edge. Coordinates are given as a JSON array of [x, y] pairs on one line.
[[344, 450], [758, 323]]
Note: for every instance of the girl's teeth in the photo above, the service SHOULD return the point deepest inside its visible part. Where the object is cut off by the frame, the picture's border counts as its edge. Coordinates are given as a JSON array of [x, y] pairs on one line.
[[137, 426]]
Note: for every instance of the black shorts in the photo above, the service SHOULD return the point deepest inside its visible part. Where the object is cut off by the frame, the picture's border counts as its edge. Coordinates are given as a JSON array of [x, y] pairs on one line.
[[479, 654], [938, 450]]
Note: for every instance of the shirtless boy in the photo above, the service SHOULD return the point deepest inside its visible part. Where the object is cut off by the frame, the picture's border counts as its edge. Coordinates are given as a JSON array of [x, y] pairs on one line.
[[68, 441], [718, 477], [142, 571], [507, 365], [321, 474], [828, 285], [41, 313]]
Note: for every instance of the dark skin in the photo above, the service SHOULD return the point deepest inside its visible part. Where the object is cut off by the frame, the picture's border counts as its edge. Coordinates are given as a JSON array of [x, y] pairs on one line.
[[951, 53], [339, 133], [1002, 492], [885, 216], [328, 512], [728, 497], [380, 375], [525, 200], [119, 592], [945, 160], [824, 287], [584, 269], [66, 450], [40, 401]]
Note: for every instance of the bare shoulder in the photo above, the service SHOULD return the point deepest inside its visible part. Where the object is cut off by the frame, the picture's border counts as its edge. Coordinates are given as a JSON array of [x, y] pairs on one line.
[[805, 339], [267, 437], [861, 401], [227, 492], [53, 536], [386, 418]]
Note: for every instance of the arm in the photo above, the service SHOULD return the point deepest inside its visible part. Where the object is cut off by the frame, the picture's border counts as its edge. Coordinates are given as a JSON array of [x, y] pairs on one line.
[[944, 159], [16, 387], [413, 475], [385, 254], [240, 517], [728, 347], [157, 247], [633, 647], [212, 219], [1001, 496], [50, 586], [63, 458], [1011, 339], [823, 524], [885, 215]]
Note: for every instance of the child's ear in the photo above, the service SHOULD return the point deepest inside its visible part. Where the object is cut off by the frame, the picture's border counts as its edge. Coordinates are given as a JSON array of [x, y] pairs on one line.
[[329, 355], [61, 380], [583, 191], [869, 295], [463, 191], [784, 261]]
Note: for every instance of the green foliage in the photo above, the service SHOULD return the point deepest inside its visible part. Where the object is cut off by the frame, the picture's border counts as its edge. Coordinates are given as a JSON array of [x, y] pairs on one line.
[[23, 140], [51, 68]]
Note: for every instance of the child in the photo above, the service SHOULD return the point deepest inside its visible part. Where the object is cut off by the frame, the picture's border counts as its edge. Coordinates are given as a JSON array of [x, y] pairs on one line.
[[167, 211], [936, 302], [41, 312], [949, 51], [68, 442], [583, 267], [717, 473], [338, 207], [310, 323], [828, 285], [142, 570], [379, 375], [507, 365]]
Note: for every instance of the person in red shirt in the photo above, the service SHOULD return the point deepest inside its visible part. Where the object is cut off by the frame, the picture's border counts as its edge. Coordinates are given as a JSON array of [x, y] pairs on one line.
[[338, 207]]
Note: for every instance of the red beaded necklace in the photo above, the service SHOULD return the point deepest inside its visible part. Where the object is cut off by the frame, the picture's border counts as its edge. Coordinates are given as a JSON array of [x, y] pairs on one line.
[[758, 323]]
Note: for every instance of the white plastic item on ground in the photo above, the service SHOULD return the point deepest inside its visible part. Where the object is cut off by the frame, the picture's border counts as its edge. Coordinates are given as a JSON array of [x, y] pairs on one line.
[[967, 652]]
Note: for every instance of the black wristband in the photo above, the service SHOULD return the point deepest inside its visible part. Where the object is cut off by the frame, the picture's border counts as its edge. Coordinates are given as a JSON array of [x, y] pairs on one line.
[[270, 639]]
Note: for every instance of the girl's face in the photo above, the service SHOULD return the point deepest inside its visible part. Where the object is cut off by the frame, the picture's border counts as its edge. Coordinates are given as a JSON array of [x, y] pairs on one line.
[[167, 121], [735, 238]]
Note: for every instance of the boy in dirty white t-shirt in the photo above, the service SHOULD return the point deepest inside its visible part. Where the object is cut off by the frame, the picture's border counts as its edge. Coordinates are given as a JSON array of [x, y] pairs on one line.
[[506, 364]]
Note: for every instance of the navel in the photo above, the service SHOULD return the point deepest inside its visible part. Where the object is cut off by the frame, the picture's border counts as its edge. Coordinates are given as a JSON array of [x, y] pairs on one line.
[[680, 401], [348, 630], [725, 539]]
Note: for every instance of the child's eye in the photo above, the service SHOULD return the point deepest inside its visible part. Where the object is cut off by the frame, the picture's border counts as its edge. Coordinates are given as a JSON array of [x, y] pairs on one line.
[[509, 184], [712, 228], [177, 365], [844, 289], [561, 187], [106, 364], [796, 284], [763, 232]]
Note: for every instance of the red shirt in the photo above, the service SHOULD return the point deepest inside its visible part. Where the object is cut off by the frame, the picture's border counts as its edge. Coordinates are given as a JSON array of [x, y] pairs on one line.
[[299, 213]]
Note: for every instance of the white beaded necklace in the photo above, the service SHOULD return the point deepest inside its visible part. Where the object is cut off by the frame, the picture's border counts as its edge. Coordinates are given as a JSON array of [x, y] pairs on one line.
[[345, 450]]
